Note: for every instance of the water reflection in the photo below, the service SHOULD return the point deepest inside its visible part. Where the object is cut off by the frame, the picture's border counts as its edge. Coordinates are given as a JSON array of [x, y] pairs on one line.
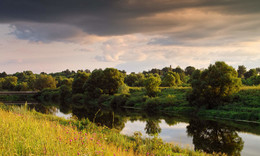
[[211, 136], [152, 127]]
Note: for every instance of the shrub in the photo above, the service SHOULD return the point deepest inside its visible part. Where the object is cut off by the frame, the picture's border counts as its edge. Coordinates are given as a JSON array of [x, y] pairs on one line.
[[152, 105], [123, 89], [119, 100], [78, 98]]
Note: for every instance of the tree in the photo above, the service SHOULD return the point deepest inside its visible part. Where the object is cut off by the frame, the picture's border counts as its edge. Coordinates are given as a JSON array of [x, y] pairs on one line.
[[177, 78], [9, 82], [131, 79], [45, 81], [178, 70], [93, 86], [169, 80], [152, 84], [31, 82], [23, 86], [250, 73], [65, 94], [241, 71], [79, 80], [214, 85], [189, 70], [3, 74], [107, 82], [156, 71], [1, 83], [112, 80], [166, 69]]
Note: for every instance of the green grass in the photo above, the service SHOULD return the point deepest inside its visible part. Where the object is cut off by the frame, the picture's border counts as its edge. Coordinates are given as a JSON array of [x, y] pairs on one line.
[[25, 132], [245, 106]]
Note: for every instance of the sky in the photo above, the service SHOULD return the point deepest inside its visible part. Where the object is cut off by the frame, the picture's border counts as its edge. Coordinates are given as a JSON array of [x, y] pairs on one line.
[[132, 35]]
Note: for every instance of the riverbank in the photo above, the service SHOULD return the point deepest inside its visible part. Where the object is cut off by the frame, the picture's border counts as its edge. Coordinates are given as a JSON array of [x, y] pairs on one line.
[[170, 101], [245, 104], [28, 132]]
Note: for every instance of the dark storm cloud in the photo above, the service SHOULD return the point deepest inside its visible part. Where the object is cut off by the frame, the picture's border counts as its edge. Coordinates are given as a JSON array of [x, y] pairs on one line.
[[109, 17]]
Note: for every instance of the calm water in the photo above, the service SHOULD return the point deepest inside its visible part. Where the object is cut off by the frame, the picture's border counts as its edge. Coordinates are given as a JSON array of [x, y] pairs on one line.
[[233, 138]]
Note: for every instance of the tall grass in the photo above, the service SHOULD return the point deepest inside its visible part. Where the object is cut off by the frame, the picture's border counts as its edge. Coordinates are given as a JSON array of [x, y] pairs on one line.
[[29, 133]]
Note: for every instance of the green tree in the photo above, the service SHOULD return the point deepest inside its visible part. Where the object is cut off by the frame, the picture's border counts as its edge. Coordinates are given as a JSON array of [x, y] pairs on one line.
[[79, 80], [177, 78], [3, 74], [131, 79], [65, 94], [107, 82], [241, 71], [214, 85], [9, 82], [169, 80], [23, 86], [112, 80], [178, 70], [93, 86], [45, 81], [189, 70], [31, 82], [1, 83], [250, 73], [152, 84], [123, 89]]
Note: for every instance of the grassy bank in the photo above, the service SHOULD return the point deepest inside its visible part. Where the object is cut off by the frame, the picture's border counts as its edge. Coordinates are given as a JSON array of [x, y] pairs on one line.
[[245, 106], [25, 132], [170, 101]]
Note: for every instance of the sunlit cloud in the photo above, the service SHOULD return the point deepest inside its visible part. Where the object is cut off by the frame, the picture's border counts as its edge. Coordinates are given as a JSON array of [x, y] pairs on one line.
[[133, 35]]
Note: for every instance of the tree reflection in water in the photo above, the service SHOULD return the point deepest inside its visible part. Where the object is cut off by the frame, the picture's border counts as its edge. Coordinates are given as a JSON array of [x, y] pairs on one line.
[[152, 127], [211, 136], [103, 118]]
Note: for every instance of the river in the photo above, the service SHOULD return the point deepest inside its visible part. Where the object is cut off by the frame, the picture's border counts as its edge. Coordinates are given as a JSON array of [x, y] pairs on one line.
[[230, 137]]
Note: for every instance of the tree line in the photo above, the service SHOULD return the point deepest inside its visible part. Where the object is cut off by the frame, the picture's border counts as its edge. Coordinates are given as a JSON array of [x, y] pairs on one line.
[[165, 77], [210, 86]]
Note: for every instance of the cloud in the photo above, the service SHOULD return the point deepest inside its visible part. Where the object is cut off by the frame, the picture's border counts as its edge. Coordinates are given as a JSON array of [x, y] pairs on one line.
[[183, 22]]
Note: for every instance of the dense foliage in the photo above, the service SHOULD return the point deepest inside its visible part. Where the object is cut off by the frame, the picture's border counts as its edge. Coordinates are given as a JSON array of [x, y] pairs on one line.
[[152, 84], [214, 85], [103, 82]]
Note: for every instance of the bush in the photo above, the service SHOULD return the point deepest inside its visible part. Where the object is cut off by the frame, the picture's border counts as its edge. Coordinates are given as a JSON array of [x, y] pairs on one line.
[[119, 100], [47, 95], [123, 89], [65, 94], [152, 105], [78, 98]]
